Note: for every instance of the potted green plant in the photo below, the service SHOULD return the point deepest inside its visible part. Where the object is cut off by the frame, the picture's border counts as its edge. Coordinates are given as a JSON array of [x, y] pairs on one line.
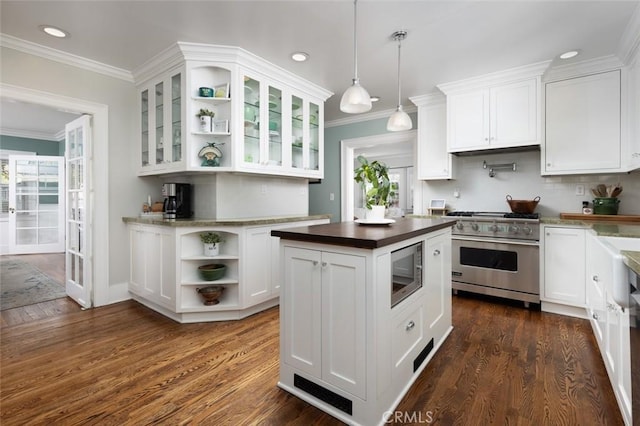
[[211, 242], [377, 189], [206, 119]]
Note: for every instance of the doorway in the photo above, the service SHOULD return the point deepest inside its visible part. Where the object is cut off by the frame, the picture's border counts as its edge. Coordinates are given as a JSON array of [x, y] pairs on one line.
[[97, 286], [383, 147]]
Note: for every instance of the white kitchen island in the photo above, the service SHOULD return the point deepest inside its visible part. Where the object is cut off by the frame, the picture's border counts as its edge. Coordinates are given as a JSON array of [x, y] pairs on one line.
[[343, 348]]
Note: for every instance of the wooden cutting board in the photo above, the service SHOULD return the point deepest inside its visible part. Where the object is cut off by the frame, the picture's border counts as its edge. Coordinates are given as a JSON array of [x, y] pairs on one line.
[[601, 217]]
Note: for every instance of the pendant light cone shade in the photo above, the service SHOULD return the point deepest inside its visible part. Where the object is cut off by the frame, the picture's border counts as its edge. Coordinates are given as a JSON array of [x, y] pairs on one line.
[[399, 120], [355, 99]]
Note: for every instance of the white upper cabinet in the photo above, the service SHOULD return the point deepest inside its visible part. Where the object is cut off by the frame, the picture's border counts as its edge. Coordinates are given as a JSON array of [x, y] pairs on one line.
[[265, 119], [495, 111], [583, 125], [433, 161]]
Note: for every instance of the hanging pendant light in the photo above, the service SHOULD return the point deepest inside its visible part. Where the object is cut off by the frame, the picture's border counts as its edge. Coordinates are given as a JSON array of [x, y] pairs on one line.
[[355, 99], [399, 120]]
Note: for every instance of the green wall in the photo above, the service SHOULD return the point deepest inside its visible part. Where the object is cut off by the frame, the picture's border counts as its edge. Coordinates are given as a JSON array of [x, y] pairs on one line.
[[319, 194], [39, 146]]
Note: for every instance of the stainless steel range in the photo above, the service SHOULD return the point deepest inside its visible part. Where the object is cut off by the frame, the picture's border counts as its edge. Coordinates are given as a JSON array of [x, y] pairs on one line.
[[497, 254]]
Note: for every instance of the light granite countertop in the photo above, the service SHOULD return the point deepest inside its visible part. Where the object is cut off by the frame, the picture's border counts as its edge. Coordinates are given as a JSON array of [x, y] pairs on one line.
[[199, 222], [632, 260], [603, 229]]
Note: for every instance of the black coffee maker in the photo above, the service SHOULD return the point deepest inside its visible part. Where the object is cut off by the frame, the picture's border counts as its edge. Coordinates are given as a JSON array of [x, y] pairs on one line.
[[177, 201]]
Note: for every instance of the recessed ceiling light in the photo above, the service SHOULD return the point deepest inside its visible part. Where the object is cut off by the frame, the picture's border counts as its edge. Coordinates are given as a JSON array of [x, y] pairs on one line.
[[375, 98], [569, 54], [54, 31], [299, 56]]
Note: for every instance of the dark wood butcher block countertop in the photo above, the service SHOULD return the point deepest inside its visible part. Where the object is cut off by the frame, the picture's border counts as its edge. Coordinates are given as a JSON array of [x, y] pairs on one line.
[[351, 234]]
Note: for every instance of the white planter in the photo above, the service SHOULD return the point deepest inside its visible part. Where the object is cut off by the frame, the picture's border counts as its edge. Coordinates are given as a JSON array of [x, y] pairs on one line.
[[211, 249], [205, 124], [376, 213]]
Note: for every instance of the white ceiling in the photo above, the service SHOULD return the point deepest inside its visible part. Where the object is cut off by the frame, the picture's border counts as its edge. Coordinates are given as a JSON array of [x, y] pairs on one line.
[[447, 40]]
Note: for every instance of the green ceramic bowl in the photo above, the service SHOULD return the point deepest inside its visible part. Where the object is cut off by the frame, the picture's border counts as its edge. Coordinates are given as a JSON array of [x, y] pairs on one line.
[[212, 271]]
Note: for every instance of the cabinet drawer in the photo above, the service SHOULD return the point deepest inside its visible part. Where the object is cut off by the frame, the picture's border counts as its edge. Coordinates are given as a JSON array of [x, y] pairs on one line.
[[408, 333]]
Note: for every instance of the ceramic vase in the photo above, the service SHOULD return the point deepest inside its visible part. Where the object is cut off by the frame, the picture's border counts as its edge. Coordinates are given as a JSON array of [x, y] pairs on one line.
[[375, 214]]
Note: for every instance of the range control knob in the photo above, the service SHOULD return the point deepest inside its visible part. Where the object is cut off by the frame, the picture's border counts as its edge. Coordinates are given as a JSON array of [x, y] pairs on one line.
[[475, 226], [527, 230], [459, 225], [493, 228], [514, 228]]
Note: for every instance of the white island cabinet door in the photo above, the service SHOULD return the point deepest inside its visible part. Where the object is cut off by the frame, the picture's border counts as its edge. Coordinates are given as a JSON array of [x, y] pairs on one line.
[[343, 322], [301, 310]]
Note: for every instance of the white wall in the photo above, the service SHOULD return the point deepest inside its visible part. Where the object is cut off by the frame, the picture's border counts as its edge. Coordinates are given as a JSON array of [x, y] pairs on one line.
[[479, 192], [126, 192]]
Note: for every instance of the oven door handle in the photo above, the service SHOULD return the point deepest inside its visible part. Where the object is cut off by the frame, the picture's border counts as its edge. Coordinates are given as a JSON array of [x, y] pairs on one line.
[[496, 240]]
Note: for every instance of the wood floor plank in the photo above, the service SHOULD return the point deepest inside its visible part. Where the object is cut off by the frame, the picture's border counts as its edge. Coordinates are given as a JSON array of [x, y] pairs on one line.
[[124, 364]]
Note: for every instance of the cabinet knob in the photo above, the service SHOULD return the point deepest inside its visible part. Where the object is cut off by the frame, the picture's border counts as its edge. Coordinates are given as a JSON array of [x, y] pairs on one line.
[[324, 264], [595, 316], [436, 252], [595, 278], [410, 325], [315, 263], [486, 139]]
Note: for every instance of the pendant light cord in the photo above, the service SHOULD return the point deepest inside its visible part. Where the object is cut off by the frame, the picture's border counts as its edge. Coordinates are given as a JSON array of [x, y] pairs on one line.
[[399, 86], [355, 40]]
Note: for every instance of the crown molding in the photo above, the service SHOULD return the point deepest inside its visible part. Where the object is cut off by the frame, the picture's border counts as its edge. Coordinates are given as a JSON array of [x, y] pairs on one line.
[[32, 134], [24, 46], [359, 118], [494, 78], [589, 66], [433, 98], [630, 42]]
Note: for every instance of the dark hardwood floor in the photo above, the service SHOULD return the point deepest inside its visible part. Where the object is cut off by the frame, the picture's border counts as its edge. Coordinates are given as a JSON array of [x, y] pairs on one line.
[[125, 364]]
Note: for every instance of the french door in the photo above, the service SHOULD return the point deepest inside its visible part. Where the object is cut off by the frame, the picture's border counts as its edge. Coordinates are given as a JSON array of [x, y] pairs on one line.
[[78, 263], [36, 204]]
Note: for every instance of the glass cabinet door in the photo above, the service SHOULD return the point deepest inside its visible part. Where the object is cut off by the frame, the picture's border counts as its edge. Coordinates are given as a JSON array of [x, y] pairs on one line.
[[159, 123], [275, 127], [314, 136], [176, 118], [144, 130], [297, 137], [251, 105]]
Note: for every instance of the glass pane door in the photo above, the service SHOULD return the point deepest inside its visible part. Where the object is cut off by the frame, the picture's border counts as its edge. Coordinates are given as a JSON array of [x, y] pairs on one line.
[[275, 127], [314, 136], [296, 132], [36, 206], [144, 136], [251, 121], [159, 123], [176, 118]]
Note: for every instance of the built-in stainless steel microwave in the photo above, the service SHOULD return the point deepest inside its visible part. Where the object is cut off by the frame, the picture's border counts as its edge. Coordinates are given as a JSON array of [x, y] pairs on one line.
[[406, 272]]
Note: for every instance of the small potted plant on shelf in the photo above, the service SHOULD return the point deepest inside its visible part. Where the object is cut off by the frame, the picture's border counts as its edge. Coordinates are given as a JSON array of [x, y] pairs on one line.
[[206, 120], [211, 242], [377, 189]]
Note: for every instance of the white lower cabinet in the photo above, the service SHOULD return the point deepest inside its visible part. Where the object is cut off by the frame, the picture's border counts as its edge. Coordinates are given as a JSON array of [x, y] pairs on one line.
[[609, 320], [343, 348], [164, 269], [149, 277], [327, 319], [563, 264]]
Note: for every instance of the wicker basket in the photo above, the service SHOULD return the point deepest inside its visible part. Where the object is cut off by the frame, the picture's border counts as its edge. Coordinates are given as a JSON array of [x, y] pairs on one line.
[[522, 206]]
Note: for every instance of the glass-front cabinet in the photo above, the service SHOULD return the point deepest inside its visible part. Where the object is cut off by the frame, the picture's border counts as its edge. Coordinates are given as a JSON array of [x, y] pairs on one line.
[[161, 125], [235, 114]]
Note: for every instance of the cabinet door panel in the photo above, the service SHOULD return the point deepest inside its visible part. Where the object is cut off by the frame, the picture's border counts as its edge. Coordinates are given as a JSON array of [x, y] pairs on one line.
[[468, 120], [257, 283], [301, 310], [434, 161], [343, 318], [438, 296], [583, 123], [564, 258], [514, 119]]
